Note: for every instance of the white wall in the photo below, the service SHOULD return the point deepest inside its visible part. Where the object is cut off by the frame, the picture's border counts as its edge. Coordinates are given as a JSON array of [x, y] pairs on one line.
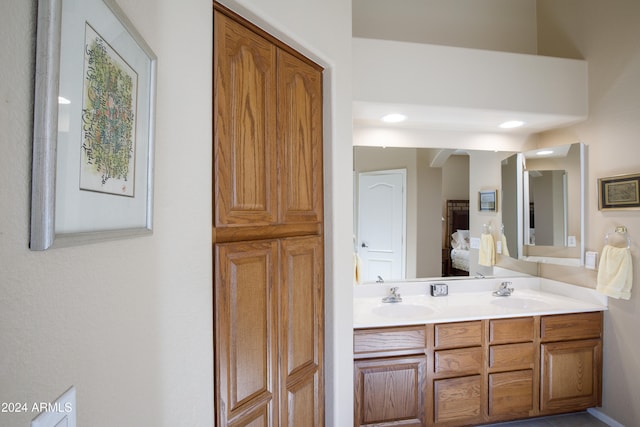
[[505, 25], [606, 34], [127, 322], [322, 31]]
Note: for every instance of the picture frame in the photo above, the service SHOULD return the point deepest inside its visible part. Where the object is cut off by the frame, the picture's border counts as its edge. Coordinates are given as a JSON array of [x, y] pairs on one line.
[[620, 192], [94, 120], [488, 201]]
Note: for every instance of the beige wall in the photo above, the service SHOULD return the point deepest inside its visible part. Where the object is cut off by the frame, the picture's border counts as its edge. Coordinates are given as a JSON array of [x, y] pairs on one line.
[[429, 235], [455, 178], [485, 173], [505, 25], [606, 34], [127, 322]]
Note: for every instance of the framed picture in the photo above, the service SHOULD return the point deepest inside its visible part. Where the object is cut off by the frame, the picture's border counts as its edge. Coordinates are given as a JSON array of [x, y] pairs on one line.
[[488, 201], [619, 192], [94, 118]]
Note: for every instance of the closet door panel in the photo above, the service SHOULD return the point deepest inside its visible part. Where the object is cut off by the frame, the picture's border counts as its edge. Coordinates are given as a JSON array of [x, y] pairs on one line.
[[245, 126], [300, 139], [302, 329], [246, 329]]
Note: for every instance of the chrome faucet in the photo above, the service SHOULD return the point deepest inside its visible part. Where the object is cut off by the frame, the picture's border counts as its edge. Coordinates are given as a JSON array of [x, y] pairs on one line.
[[380, 279], [504, 290], [394, 296]]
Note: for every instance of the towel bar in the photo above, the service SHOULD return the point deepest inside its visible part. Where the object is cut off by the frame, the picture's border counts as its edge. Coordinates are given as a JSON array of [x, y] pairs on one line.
[[622, 230]]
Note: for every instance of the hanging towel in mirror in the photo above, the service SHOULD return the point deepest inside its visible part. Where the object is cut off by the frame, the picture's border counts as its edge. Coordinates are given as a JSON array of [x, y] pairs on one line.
[[357, 268], [615, 272], [487, 255], [505, 248]]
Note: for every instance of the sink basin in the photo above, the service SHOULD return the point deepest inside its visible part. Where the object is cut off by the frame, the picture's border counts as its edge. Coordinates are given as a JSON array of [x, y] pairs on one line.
[[401, 310], [520, 303]]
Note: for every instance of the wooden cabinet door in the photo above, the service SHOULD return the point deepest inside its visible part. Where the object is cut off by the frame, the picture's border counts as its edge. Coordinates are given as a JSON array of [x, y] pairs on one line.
[[458, 401], [390, 392], [299, 139], [302, 331], [245, 333], [245, 154], [570, 376], [511, 394]]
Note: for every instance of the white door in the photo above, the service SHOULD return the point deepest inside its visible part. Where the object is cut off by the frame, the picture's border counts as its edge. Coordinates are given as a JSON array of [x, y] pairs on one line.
[[381, 224]]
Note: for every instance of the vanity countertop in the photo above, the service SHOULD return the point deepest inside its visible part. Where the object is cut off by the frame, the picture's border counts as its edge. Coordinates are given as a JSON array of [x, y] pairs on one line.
[[470, 299]]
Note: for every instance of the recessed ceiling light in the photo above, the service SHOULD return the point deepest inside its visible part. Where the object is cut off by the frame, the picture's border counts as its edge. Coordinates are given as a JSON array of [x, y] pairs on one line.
[[394, 118], [511, 124], [63, 100], [544, 152]]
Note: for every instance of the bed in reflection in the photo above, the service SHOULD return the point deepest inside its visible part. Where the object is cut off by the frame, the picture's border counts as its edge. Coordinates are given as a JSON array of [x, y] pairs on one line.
[[456, 250]]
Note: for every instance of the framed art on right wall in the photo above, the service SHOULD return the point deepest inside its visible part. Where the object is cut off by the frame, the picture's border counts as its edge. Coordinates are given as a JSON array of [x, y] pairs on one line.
[[619, 192]]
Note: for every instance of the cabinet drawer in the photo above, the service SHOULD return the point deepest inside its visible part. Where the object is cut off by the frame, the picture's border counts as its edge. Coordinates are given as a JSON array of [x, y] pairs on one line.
[[505, 331], [462, 334], [571, 326], [457, 362], [388, 341], [509, 357]]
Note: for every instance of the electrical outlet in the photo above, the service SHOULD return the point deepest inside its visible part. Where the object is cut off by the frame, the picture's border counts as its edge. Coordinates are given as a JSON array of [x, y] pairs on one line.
[[474, 243], [571, 241], [590, 260]]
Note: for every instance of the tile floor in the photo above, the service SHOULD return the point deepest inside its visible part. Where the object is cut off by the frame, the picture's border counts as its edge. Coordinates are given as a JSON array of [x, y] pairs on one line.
[[580, 419]]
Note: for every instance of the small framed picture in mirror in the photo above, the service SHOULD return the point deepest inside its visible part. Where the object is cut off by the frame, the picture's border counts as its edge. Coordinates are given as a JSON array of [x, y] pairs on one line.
[[619, 192], [488, 201]]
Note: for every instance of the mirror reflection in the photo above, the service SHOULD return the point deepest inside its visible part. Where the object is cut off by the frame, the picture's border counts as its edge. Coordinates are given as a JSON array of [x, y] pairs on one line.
[[416, 209], [543, 204], [412, 212]]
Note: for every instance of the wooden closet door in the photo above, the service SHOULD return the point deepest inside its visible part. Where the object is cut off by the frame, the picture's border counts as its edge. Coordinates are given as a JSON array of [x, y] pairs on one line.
[[299, 139], [244, 156], [302, 332], [246, 333]]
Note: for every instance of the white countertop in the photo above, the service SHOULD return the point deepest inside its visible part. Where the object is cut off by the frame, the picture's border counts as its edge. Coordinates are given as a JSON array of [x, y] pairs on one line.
[[469, 299]]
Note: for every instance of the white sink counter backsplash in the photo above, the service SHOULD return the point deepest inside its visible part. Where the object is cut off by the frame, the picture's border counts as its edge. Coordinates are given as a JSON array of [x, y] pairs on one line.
[[469, 299]]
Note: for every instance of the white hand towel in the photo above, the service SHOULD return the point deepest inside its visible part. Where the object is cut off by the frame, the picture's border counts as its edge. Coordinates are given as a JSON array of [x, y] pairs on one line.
[[615, 272], [487, 255]]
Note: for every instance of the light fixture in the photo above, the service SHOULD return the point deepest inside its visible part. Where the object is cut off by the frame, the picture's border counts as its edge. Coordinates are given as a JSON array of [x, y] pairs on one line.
[[63, 100], [394, 118], [544, 152], [511, 124]]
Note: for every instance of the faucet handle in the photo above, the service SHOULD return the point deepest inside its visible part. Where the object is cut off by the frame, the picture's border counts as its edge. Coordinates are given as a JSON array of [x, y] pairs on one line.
[[393, 290]]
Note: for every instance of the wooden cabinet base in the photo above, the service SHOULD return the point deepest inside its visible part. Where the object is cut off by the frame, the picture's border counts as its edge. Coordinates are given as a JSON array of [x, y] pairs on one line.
[[477, 372]]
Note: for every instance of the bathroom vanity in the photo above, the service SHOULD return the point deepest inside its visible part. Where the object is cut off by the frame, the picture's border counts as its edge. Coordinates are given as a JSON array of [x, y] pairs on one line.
[[471, 358]]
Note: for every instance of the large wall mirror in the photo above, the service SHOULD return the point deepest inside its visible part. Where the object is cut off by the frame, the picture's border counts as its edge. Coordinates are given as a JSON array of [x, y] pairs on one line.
[[416, 209], [543, 204]]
